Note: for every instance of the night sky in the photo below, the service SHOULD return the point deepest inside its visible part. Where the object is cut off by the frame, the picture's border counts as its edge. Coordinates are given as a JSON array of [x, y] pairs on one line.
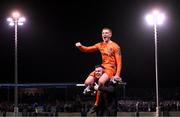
[[46, 43]]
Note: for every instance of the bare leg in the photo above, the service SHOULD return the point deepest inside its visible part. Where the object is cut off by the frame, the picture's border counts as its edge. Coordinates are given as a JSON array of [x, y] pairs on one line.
[[101, 82], [89, 81], [103, 79]]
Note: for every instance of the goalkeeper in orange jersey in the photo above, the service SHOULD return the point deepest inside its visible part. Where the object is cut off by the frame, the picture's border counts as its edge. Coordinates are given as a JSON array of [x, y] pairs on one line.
[[111, 60]]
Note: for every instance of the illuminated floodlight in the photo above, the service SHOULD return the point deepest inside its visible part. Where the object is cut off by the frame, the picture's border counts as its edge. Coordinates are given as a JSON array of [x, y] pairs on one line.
[[16, 18], [15, 14], [155, 18]]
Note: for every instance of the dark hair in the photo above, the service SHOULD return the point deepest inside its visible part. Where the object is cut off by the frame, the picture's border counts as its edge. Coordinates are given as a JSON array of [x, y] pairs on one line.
[[99, 66]]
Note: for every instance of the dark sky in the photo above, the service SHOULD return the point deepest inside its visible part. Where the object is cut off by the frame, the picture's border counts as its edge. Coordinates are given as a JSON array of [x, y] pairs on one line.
[[46, 51]]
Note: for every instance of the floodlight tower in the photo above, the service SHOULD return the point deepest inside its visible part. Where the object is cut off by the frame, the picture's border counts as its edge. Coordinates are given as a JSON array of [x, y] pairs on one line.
[[15, 20], [156, 18]]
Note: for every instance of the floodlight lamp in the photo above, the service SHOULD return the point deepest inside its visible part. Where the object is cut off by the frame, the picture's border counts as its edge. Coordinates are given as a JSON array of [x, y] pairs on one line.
[[22, 19], [160, 19], [149, 19], [15, 15], [11, 23], [155, 18], [9, 19], [20, 23]]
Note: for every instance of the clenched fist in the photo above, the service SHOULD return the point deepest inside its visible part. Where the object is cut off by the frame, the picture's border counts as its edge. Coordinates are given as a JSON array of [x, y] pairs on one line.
[[78, 44]]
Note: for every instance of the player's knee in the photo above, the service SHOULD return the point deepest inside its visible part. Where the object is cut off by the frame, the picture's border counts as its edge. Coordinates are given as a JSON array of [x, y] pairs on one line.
[[101, 81], [88, 81]]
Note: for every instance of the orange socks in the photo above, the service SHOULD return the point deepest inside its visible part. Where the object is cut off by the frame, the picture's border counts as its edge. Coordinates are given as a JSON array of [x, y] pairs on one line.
[[98, 94]]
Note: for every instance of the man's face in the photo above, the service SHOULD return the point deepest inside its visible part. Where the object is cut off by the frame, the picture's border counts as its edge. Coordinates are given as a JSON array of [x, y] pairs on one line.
[[99, 72], [106, 35]]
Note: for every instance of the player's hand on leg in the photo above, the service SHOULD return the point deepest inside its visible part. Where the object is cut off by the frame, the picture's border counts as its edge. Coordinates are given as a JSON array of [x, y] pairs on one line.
[[96, 86]]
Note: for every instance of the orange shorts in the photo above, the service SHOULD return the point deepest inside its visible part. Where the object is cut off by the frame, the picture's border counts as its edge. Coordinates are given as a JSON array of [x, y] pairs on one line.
[[109, 71]]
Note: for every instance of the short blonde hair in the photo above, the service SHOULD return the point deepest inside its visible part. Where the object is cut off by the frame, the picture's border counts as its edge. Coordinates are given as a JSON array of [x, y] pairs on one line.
[[106, 28]]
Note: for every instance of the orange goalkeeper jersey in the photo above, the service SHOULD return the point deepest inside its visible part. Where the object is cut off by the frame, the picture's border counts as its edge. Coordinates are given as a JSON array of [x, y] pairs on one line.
[[110, 52]]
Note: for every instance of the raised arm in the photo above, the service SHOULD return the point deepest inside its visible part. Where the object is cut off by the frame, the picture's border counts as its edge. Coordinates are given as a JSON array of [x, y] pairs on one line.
[[86, 48]]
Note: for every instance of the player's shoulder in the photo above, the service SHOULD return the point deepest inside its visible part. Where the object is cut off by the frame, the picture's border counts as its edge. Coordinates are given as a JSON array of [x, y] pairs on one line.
[[99, 44], [115, 44]]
